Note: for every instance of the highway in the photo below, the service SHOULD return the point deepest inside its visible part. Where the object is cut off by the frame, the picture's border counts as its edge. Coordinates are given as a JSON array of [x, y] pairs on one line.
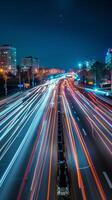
[[28, 144], [29, 128], [88, 138]]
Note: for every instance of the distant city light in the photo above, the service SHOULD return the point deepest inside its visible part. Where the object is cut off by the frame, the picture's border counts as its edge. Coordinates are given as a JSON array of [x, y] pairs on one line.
[[87, 63], [95, 89], [80, 65], [1, 70]]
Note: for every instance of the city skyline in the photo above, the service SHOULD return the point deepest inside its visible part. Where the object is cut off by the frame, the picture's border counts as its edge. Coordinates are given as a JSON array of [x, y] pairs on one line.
[[58, 33], [37, 60]]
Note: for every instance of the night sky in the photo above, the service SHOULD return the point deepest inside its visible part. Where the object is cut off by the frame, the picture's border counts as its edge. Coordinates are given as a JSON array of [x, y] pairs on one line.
[[59, 32]]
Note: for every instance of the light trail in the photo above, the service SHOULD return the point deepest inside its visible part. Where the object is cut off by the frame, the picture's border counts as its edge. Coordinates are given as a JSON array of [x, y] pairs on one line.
[[68, 115], [100, 124], [30, 130], [23, 122]]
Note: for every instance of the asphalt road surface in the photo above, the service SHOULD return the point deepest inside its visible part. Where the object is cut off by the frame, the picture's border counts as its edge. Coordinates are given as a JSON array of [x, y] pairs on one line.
[[28, 143]]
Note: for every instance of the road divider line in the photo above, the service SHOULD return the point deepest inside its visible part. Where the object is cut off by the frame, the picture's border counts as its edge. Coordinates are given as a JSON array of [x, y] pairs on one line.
[[86, 167], [84, 132], [107, 179], [78, 119]]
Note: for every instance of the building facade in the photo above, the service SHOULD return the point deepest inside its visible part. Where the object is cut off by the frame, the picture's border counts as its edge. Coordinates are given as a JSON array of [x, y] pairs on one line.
[[29, 62], [8, 58], [87, 64], [108, 58]]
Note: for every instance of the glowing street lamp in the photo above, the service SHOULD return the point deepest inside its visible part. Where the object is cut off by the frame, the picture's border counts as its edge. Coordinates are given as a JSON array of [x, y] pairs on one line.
[[1, 70], [36, 70], [80, 65]]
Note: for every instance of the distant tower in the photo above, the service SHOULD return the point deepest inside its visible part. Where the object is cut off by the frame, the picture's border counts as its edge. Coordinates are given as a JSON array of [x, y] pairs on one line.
[[108, 61], [8, 58], [108, 58], [28, 62]]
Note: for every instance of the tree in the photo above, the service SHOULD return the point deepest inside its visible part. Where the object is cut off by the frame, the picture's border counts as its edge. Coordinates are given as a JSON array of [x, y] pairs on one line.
[[97, 71]]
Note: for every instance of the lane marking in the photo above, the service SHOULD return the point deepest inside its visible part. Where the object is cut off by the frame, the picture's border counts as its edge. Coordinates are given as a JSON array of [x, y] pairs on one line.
[[78, 118], [107, 179], [86, 167], [84, 131]]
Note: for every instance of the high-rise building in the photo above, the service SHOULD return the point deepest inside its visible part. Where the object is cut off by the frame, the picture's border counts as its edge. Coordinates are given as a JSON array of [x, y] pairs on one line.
[[108, 58], [87, 64], [108, 61], [29, 62], [8, 58]]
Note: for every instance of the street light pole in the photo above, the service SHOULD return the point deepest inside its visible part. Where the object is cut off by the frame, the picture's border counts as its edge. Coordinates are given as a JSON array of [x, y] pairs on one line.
[[33, 78], [95, 76], [4, 72], [20, 78], [28, 75], [5, 78], [111, 79]]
